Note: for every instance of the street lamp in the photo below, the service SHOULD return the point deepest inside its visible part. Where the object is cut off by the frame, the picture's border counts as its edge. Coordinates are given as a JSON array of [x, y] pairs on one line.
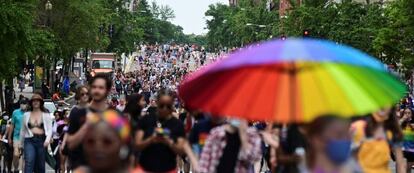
[[48, 5]]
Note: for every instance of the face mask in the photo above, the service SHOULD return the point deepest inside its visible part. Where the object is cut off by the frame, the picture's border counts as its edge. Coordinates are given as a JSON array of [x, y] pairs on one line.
[[338, 151], [6, 117], [235, 122]]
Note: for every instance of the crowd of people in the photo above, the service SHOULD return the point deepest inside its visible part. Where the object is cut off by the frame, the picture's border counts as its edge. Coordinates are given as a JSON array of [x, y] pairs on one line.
[[134, 122]]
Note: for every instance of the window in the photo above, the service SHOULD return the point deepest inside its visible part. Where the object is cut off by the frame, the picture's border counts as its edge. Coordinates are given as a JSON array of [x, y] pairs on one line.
[[108, 64]]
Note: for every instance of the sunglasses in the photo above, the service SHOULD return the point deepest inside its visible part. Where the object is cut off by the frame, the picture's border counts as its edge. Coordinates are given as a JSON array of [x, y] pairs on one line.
[[163, 106], [40, 100], [84, 94]]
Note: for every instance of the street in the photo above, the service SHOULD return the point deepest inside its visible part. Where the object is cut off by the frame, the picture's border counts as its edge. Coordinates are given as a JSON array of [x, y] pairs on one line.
[[244, 86]]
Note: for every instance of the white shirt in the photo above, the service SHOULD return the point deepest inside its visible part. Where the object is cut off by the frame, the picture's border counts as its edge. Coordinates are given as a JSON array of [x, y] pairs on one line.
[[47, 126]]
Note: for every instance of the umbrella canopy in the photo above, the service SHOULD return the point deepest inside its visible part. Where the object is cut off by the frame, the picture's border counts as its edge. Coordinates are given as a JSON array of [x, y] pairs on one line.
[[292, 80]]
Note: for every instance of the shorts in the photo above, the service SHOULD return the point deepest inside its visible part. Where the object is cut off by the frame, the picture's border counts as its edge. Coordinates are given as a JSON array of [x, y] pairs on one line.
[[409, 156], [17, 149]]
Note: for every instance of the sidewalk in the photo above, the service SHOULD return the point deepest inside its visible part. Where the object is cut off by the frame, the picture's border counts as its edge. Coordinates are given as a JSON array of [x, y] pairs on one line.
[[27, 92]]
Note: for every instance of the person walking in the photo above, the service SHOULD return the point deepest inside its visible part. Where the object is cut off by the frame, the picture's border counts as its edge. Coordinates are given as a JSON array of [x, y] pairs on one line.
[[231, 148], [78, 125], [14, 133], [373, 140], [160, 138], [329, 145], [36, 135], [407, 125], [106, 144]]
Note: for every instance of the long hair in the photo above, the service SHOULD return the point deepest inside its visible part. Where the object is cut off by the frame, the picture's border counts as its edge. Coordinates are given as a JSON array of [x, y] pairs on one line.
[[78, 93], [132, 107], [406, 123], [391, 124]]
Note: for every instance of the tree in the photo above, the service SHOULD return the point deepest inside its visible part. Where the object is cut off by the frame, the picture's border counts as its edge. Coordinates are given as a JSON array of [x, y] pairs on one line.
[[395, 41], [124, 28], [15, 43], [244, 24], [162, 12], [75, 25]]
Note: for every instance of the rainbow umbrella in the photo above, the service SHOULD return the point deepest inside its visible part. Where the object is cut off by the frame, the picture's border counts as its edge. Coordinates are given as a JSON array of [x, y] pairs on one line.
[[292, 80]]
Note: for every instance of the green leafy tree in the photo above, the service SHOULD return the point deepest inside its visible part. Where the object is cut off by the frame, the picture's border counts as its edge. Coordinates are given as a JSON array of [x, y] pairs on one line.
[[15, 42], [123, 29], [395, 40], [75, 25], [162, 12]]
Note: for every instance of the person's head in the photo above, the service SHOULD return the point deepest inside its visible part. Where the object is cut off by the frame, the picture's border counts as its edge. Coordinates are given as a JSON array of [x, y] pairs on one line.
[[105, 144], [82, 95], [100, 87], [135, 103], [122, 102], [382, 115], [37, 103], [387, 119], [21, 97], [23, 104], [58, 115], [329, 140], [407, 113], [165, 103]]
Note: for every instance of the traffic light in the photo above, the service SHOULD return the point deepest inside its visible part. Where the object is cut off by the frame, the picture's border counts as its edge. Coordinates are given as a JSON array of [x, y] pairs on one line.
[[306, 33]]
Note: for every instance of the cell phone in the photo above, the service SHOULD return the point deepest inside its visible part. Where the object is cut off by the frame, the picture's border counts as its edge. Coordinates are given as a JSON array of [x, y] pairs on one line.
[[162, 132]]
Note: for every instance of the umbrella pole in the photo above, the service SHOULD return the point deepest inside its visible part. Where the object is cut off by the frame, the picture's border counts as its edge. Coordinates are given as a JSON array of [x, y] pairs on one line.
[[292, 81]]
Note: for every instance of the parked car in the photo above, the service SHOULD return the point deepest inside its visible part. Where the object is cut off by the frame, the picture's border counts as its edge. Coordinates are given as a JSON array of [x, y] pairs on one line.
[[50, 106]]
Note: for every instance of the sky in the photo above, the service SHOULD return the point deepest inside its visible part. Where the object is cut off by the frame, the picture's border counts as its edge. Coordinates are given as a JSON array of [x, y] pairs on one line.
[[189, 14]]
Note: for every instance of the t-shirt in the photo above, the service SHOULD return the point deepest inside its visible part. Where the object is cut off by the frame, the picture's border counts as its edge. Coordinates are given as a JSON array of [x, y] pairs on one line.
[[160, 157], [408, 142], [200, 131], [77, 118], [118, 85], [230, 154], [17, 119]]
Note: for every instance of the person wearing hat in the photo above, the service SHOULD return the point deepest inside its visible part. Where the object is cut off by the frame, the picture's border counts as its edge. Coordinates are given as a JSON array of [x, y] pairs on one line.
[[14, 132], [36, 135]]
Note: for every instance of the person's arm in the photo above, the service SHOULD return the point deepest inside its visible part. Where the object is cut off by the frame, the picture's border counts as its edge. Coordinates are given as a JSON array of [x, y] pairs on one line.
[[74, 139], [270, 139], [48, 129], [400, 161], [177, 147], [193, 159], [10, 134], [11, 129], [23, 130], [140, 142]]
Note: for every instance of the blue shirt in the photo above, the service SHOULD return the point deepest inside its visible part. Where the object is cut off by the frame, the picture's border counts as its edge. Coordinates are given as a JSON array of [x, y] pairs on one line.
[[16, 121]]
